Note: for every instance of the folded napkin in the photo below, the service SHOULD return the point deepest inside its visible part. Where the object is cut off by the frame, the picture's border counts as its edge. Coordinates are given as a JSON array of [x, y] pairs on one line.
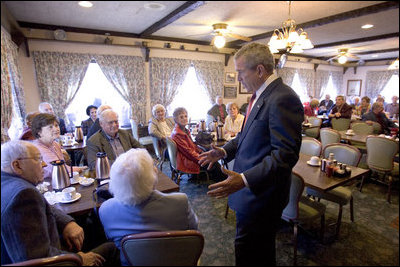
[[53, 197], [43, 187]]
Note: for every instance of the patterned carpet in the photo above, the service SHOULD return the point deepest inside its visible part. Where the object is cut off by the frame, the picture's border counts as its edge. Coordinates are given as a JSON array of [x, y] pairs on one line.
[[370, 241]]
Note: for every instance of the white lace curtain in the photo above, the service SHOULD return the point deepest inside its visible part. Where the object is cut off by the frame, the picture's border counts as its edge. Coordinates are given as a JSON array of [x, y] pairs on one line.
[[127, 75], [166, 75], [211, 76], [376, 81], [287, 75], [59, 76]]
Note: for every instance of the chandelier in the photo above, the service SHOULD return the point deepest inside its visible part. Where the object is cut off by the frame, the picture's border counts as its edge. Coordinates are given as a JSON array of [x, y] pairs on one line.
[[294, 41]]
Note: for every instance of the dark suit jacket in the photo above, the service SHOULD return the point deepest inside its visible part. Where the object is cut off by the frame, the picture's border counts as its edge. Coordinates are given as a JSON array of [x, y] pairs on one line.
[[30, 226], [99, 143], [86, 124], [266, 151], [387, 124], [328, 107], [345, 111], [93, 129]]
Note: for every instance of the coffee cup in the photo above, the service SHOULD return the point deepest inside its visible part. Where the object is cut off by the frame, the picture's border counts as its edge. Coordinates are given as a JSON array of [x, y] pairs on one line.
[[68, 193], [350, 131], [314, 160]]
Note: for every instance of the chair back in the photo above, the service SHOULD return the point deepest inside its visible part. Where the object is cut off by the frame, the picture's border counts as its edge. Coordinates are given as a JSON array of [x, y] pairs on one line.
[[340, 124], [69, 259], [291, 211], [329, 136], [170, 248], [312, 132], [314, 121], [171, 146], [135, 131], [157, 148], [377, 128], [362, 128], [344, 153], [381, 152], [310, 146]]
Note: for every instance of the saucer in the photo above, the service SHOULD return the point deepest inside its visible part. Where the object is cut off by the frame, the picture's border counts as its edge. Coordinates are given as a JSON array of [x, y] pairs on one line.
[[86, 181], [350, 133], [77, 196], [307, 124], [73, 181], [309, 163]]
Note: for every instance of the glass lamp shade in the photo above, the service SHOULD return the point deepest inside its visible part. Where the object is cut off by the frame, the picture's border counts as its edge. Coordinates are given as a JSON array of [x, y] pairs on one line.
[[296, 49], [305, 42], [342, 59], [219, 41]]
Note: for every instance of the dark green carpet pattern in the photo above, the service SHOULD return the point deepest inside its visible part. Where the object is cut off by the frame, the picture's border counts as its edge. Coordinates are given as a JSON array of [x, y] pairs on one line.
[[371, 240]]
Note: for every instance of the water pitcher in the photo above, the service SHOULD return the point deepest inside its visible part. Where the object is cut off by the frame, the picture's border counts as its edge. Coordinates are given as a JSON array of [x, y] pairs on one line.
[[59, 175]]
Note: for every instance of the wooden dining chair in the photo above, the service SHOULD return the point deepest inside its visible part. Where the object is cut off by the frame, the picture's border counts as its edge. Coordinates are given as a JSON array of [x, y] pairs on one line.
[[329, 136], [59, 260], [380, 160], [164, 248], [159, 150], [144, 141], [301, 210], [310, 146], [341, 195]]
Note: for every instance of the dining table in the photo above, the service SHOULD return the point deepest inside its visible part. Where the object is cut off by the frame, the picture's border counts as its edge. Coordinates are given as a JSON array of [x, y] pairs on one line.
[[317, 179], [86, 203], [71, 149]]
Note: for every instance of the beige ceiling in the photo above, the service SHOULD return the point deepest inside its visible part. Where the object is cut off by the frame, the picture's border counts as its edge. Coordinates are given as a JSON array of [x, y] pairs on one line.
[[248, 18]]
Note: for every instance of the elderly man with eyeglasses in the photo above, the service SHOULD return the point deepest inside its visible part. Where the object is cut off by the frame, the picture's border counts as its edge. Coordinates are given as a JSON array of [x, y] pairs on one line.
[[30, 226]]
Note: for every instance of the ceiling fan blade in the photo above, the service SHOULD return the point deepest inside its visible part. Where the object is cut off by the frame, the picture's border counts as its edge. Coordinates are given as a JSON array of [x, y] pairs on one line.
[[237, 36], [352, 56]]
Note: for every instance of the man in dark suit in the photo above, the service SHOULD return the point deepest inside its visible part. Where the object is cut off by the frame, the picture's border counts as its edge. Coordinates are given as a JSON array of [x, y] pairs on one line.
[[265, 152], [109, 139], [45, 107]]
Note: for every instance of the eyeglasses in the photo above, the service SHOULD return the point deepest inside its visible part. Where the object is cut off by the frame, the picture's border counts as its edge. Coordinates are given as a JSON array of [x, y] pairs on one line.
[[39, 158]]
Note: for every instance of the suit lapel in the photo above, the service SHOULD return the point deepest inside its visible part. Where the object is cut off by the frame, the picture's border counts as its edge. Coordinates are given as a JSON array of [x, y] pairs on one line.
[[257, 107]]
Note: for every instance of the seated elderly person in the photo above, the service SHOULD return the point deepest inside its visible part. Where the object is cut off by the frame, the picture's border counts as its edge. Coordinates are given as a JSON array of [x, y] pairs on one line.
[[136, 206], [187, 158], [233, 122], [393, 108], [309, 110], [159, 125], [326, 105], [377, 115], [46, 130], [96, 125], [30, 227], [109, 139], [91, 111], [364, 107], [340, 110], [27, 131], [45, 107], [218, 110]]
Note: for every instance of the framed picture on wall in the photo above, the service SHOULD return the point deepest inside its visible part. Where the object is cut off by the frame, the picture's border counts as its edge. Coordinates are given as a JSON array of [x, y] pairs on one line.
[[230, 77], [353, 87], [230, 91], [242, 90]]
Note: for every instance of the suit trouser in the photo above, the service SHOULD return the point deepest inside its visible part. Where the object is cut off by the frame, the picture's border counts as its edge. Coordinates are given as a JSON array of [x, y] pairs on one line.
[[255, 239]]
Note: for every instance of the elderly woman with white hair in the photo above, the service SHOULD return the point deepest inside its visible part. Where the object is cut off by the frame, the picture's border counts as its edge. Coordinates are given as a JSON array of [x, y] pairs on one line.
[[137, 206], [160, 126]]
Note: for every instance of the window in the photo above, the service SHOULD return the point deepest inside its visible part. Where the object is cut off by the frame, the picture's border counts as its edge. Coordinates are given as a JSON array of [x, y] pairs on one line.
[[391, 88], [96, 90], [192, 96], [329, 90], [299, 89]]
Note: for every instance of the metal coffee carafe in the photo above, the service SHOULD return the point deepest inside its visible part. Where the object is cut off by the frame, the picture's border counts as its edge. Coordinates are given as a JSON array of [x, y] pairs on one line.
[[59, 175], [202, 125], [78, 134], [102, 166], [220, 132]]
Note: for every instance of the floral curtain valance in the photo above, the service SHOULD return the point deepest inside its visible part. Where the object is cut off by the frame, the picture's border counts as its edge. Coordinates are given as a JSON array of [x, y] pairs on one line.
[[59, 76], [376, 81], [127, 75], [166, 75]]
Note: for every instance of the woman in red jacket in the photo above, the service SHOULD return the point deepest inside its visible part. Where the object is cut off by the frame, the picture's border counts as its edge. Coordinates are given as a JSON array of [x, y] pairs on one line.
[[188, 152]]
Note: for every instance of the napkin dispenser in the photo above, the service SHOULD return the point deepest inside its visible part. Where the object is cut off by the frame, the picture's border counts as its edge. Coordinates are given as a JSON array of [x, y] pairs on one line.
[[59, 175]]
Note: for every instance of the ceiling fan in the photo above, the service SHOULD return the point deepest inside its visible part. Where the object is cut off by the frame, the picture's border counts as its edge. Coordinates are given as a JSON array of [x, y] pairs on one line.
[[343, 56], [220, 31]]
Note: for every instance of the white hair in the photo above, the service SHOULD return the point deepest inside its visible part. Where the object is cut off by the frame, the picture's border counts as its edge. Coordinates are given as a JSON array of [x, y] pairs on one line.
[[104, 114], [41, 108], [132, 177], [157, 107], [13, 150]]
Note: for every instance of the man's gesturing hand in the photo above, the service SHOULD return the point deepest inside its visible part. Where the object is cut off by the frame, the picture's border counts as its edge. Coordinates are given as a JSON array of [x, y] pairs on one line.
[[211, 156], [230, 185]]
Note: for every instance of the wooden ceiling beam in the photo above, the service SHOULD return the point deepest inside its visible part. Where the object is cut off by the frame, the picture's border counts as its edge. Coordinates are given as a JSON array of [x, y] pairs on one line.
[[359, 40], [327, 20], [181, 11]]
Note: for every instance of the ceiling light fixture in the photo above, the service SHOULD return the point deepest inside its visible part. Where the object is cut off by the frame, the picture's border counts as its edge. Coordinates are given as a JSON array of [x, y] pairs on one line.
[[219, 41], [394, 65], [342, 59], [85, 3], [367, 26], [154, 6], [294, 41]]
